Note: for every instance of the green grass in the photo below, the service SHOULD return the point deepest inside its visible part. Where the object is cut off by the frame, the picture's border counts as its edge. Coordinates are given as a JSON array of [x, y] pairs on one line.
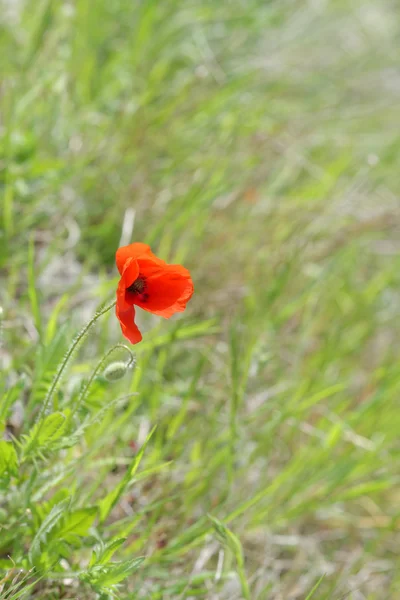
[[253, 451]]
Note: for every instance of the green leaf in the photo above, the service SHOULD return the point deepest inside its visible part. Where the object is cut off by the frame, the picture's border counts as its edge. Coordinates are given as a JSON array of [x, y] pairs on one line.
[[106, 552], [231, 541], [8, 459], [75, 523], [47, 359], [108, 503], [42, 23], [32, 289], [45, 434], [52, 325], [316, 586], [52, 428], [51, 521], [59, 528], [226, 536], [104, 577], [40, 510]]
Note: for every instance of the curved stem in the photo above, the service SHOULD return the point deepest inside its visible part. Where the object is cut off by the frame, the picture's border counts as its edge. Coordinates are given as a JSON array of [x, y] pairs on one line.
[[97, 368], [75, 342]]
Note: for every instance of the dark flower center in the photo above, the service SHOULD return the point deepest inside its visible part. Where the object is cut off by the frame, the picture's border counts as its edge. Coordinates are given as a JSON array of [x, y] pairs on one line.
[[137, 286]]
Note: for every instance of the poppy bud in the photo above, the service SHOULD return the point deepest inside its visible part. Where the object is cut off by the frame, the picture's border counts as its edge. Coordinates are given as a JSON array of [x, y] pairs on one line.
[[115, 371]]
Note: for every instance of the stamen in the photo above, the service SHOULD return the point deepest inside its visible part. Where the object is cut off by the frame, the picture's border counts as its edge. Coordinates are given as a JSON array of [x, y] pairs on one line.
[[137, 286]]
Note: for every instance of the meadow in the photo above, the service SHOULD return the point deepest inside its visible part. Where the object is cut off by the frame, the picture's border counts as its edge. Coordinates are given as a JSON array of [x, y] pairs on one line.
[[249, 447]]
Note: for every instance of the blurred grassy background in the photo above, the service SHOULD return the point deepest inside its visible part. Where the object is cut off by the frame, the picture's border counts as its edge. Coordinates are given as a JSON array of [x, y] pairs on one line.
[[256, 142]]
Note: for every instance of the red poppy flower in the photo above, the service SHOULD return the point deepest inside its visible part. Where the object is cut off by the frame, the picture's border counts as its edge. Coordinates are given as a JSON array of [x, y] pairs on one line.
[[148, 282]]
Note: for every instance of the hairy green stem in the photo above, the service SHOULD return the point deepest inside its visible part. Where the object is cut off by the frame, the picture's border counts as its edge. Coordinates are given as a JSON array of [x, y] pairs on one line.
[[75, 342], [99, 366]]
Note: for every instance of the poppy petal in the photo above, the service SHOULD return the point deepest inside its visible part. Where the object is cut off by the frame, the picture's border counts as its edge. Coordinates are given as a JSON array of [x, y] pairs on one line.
[[131, 251], [129, 328], [168, 288], [129, 274]]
